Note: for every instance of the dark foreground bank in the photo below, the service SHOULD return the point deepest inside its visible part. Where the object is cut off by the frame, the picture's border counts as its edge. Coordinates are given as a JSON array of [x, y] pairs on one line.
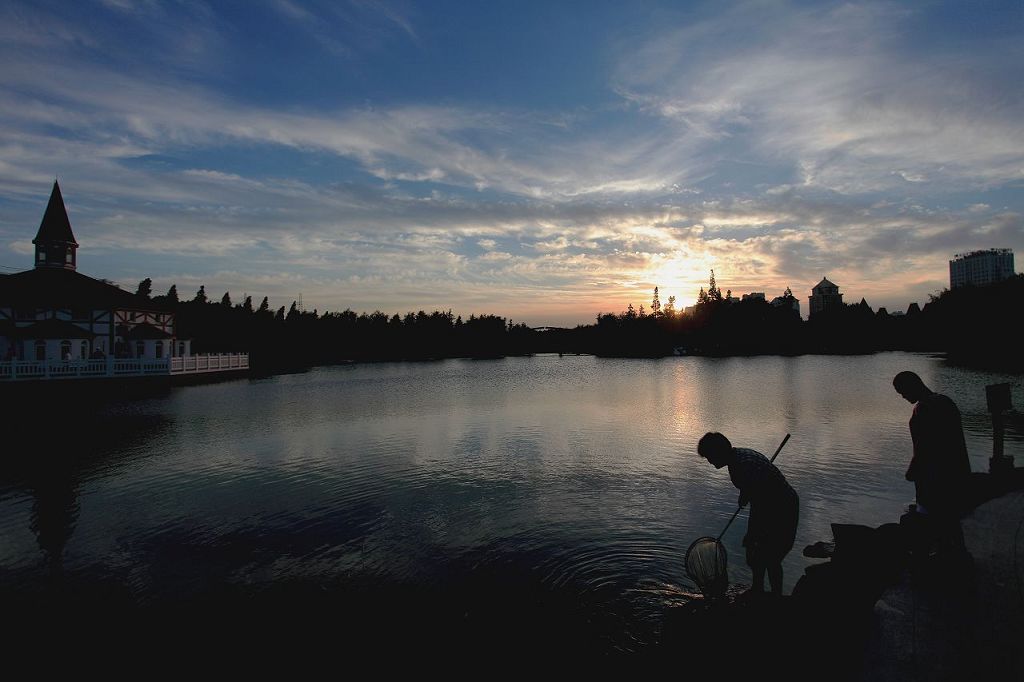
[[875, 610]]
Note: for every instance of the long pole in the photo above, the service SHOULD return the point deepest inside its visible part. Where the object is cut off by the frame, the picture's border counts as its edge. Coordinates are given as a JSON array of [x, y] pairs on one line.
[[738, 509]]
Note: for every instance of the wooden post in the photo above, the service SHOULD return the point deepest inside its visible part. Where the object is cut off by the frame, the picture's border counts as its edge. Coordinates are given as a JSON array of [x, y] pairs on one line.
[[998, 398]]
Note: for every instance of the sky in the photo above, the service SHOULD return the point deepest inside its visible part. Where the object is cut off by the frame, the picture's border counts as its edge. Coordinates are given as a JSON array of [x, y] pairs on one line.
[[543, 161]]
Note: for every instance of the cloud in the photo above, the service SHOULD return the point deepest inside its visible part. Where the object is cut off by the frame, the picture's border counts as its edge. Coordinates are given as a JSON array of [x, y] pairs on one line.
[[774, 142], [347, 27], [912, 177], [836, 91]]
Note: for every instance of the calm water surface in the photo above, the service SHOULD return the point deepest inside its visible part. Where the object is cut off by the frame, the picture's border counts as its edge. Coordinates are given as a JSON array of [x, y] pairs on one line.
[[569, 484]]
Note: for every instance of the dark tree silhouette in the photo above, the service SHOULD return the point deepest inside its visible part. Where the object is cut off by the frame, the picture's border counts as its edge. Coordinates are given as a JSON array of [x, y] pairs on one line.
[[714, 294], [972, 324]]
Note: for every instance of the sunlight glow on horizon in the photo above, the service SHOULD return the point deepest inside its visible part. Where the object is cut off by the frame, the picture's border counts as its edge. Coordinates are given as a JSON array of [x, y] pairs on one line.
[[511, 159]]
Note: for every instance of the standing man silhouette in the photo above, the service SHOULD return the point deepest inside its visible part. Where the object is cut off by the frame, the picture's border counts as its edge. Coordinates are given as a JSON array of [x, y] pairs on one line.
[[774, 506], [939, 468]]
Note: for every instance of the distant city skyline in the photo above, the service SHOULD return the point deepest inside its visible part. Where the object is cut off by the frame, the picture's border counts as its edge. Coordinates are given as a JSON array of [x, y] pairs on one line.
[[539, 161]]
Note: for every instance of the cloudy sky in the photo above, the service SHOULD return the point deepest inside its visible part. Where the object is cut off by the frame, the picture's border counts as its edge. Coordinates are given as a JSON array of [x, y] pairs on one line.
[[542, 161]]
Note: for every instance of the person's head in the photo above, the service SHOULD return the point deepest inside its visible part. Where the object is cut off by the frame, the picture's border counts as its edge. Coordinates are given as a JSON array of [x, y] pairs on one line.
[[910, 386], [715, 448]]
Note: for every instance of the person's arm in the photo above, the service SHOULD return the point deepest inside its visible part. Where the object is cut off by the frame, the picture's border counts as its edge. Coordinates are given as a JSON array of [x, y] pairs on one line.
[[918, 428]]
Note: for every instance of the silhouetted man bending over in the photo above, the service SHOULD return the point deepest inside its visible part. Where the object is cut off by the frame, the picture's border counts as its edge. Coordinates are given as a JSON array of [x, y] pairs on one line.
[[774, 506], [940, 467]]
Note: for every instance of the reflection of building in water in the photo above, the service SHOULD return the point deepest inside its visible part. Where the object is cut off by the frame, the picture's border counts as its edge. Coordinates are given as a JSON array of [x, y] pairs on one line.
[[58, 323], [980, 268], [54, 512], [824, 296]]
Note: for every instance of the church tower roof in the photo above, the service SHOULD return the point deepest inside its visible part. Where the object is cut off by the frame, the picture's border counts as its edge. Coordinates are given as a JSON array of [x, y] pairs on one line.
[[55, 242], [55, 226]]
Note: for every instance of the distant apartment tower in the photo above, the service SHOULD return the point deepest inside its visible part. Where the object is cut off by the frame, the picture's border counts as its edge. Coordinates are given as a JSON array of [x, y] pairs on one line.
[[978, 268], [824, 296]]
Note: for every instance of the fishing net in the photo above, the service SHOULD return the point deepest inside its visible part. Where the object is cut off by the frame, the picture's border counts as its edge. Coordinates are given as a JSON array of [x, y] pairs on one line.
[[706, 564]]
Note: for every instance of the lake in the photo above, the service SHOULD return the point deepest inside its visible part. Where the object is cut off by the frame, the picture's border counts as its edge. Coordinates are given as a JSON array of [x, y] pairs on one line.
[[564, 489]]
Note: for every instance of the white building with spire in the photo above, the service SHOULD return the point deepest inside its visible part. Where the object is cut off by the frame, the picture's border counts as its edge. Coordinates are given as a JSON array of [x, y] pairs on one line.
[[56, 322]]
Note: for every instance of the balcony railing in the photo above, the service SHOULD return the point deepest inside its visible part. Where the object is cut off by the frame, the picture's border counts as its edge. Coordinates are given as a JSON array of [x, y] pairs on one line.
[[196, 364], [19, 370]]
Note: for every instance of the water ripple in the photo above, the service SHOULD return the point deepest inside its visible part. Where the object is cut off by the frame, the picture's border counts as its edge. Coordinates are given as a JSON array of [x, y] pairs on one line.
[[565, 484]]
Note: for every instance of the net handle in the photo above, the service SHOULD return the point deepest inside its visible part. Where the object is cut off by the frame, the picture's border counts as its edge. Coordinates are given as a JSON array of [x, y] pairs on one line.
[[739, 509]]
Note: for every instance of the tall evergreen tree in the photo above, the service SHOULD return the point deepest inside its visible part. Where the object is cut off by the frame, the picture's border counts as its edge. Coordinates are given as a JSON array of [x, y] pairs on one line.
[[145, 288], [655, 304], [714, 293], [265, 306], [200, 295], [172, 294]]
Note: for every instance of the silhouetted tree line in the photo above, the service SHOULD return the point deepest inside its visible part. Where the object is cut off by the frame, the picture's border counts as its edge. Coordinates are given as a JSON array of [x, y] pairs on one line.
[[292, 338], [974, 325], [718, 325]]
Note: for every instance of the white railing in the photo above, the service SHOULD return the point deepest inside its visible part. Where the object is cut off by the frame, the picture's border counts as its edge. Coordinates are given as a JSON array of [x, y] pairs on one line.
[[19, 370], [198, 364]]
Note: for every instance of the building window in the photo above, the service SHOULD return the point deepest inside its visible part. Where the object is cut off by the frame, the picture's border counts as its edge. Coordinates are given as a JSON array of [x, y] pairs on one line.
[[40, 351], [65, 350], [140, 349], [83, 350], [67, 256], [159, 349], [181, 349], [42, 256]]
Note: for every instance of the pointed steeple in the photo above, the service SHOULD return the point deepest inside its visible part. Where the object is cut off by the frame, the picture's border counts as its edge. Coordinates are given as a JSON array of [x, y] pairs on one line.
[[55, 242]]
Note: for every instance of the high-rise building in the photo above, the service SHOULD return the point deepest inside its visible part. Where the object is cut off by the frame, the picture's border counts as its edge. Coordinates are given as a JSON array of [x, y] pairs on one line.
[[978, 268]]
